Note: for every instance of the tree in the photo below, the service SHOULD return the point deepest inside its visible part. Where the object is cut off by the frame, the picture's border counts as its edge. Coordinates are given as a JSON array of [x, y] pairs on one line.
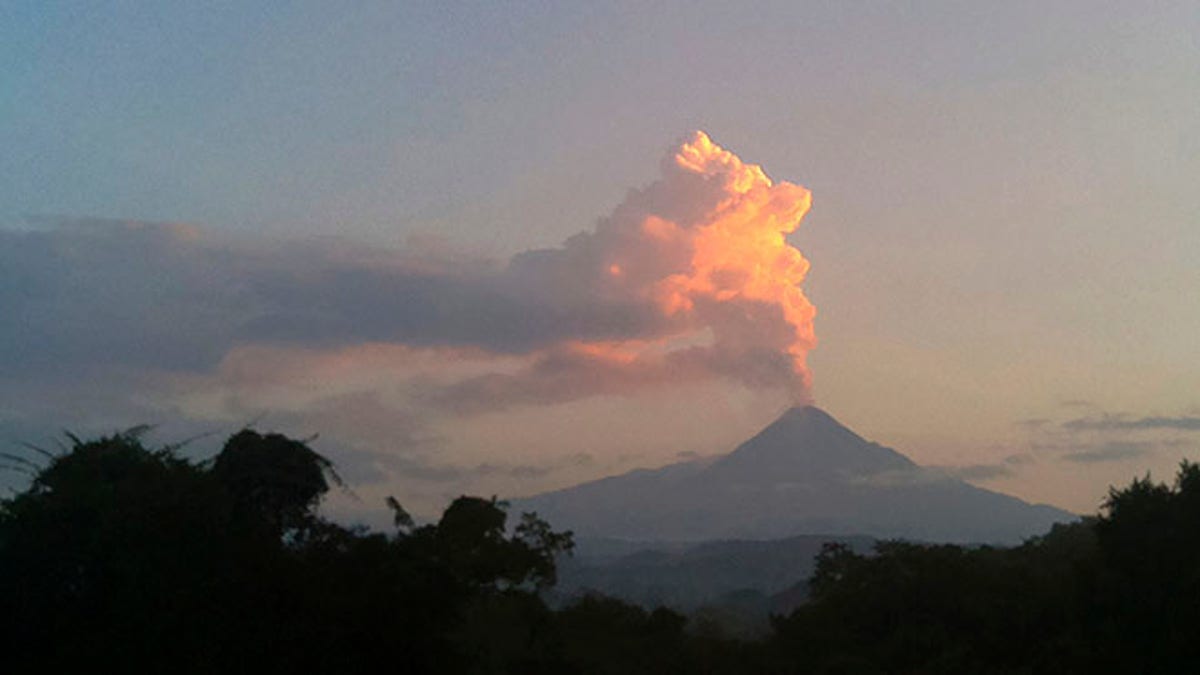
[[274, 481], [122, 556], [471, 540], [1148, 615], [107, 552]]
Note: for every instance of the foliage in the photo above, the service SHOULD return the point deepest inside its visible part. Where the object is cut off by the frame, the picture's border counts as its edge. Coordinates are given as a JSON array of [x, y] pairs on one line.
[[1148, 588], [119, 556], [1117, 593], [272, 480]]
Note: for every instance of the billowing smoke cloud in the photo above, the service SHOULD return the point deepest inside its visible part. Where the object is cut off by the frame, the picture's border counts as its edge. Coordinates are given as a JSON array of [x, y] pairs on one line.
[[703, 250], [688, 285], [689, 278]]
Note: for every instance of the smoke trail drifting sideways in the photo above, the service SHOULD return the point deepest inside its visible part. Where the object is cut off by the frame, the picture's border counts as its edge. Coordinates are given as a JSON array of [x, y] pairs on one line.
[[689, 278]]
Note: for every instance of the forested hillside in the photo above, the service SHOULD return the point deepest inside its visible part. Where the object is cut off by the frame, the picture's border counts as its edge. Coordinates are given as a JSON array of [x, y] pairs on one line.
[[123, 556]]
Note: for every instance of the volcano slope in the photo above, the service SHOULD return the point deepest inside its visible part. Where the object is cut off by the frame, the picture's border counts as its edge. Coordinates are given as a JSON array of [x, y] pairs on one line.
[[804, 474]]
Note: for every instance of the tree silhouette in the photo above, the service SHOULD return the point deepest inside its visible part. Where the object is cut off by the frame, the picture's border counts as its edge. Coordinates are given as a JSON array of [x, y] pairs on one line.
[[1149, 584], [108, 535], [273, 480], [120, 556], [117, 553]]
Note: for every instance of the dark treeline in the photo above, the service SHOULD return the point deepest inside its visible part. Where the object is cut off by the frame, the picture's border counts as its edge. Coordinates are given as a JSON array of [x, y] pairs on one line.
[[122, 557]]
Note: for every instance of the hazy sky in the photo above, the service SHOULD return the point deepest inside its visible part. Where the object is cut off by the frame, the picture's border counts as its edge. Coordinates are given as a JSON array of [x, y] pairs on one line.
[[307, 215]]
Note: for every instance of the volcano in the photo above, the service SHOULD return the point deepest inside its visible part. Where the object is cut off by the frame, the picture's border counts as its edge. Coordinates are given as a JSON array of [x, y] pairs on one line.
[[804, 474]]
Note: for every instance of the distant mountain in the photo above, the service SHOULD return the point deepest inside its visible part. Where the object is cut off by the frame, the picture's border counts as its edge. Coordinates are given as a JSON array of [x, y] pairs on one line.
[[803, 474], [690, 576]]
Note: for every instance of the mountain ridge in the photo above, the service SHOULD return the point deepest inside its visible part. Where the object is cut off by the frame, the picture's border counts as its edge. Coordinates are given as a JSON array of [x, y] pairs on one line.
[[802, 474]]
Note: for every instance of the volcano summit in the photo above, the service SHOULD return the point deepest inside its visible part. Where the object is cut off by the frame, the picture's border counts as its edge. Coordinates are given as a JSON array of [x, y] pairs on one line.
[[804, 474]]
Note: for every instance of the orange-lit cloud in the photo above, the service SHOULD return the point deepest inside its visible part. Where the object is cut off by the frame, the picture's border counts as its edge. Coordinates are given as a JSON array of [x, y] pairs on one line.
[[703, 249], [689, 278], [744, 278], [686, 286]]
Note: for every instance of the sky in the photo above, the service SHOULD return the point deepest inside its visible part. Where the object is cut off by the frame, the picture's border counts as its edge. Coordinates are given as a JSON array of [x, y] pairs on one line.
[[458, 241]]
